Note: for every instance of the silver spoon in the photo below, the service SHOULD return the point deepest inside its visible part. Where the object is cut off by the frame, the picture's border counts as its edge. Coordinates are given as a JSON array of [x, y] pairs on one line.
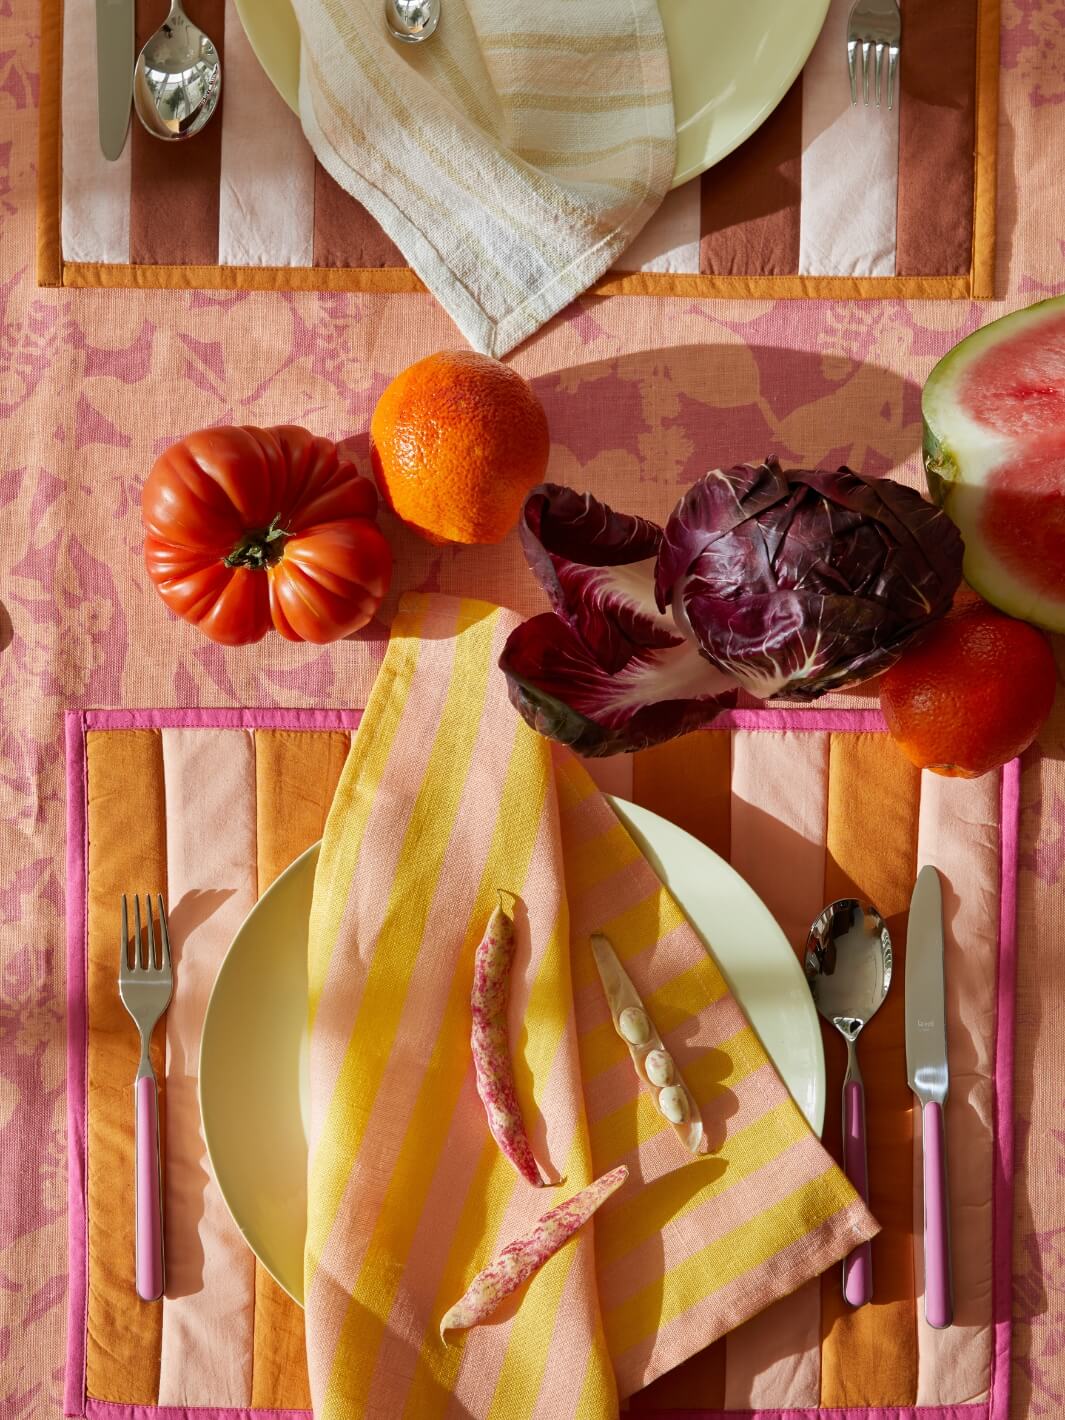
[[848, 966], [411, 21], [178, 78]]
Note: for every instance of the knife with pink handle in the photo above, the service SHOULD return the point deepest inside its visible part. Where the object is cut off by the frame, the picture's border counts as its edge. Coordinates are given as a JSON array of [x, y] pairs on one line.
[[929, 1076]]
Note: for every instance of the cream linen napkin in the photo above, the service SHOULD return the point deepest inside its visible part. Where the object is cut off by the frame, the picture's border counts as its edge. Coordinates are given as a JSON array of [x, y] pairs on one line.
[[511, 157]]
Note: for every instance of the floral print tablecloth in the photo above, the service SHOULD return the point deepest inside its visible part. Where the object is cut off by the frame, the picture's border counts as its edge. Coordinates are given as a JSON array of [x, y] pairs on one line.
[[643, 395]]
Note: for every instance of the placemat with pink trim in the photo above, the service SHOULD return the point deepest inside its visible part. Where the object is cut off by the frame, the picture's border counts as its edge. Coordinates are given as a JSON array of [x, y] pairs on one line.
[[208, 805]]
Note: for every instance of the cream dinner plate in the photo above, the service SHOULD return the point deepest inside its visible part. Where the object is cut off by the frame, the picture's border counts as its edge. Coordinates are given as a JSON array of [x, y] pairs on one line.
[[253, 1059], [731, 64]]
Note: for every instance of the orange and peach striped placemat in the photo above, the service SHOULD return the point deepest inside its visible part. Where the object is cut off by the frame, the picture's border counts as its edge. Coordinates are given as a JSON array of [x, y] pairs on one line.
[[823, 201], [808, 806]]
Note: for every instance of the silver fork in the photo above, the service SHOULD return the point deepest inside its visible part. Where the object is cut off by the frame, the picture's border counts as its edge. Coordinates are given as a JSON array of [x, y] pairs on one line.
[[145, 984], [875, 29]]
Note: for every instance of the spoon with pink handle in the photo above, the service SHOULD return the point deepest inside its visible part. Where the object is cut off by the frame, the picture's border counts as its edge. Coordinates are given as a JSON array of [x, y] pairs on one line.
[[848, 966]]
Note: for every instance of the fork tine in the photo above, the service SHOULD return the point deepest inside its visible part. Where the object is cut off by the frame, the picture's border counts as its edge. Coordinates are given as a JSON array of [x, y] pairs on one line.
[[124, 967], [137, 932], [866, 48], [852, 65], [879, 67], [892, 71], [153, 960], [164, 933]]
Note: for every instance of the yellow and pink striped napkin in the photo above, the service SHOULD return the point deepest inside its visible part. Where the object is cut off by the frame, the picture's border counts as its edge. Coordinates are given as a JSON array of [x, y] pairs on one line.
[[446, 797]]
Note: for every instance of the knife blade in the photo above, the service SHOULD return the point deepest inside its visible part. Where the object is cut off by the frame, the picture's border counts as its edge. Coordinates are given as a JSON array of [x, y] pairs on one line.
[[114, 73], [928, 1071], [926, 1023]]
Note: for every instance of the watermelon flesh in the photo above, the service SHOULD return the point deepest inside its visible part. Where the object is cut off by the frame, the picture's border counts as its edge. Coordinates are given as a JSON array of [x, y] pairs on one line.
[[994, 449]]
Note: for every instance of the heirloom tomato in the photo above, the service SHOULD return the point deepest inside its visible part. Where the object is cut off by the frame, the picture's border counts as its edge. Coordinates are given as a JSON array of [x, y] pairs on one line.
[[252, 529]]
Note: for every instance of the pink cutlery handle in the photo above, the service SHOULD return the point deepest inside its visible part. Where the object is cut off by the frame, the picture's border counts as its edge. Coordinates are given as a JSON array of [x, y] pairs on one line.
[[149, 1205], [938, 1304], [858, 1266]]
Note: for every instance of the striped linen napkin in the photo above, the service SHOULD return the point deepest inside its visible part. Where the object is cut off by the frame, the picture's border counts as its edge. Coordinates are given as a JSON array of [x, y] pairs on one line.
[[511, 158], [446, 797]]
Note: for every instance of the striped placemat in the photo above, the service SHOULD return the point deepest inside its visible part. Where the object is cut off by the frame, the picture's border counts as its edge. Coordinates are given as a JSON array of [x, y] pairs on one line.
[[824, 200], [808, 805]]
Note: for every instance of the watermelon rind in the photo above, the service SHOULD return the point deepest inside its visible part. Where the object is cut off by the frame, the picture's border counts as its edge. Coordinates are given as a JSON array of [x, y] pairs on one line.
[[961, 455]]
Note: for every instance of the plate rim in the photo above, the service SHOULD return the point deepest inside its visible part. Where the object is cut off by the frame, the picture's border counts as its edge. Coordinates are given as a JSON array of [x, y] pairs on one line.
[[819, 15], [298, 863], [691, 168], [217, 1175]]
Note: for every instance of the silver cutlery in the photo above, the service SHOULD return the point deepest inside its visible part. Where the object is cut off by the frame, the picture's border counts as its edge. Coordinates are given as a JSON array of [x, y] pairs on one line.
[[114, 73], [929, 1076], [848, 966], [145, 984], [874, 32], [412, 21], [178, 79]]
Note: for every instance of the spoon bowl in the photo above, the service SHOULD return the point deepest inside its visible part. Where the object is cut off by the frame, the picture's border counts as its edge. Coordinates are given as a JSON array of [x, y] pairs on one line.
[[178, 79], [412, 21], [848, 965]]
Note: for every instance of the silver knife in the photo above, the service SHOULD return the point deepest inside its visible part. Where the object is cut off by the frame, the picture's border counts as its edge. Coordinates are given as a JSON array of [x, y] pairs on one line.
[[114, 72], [929, 1076]]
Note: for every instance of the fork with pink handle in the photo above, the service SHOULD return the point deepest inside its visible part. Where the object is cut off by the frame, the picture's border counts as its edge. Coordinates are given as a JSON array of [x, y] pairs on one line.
[[145, 984]]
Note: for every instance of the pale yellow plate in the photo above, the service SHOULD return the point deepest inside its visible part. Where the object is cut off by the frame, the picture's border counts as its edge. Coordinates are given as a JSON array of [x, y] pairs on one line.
[[253, 1059], [732, 63]]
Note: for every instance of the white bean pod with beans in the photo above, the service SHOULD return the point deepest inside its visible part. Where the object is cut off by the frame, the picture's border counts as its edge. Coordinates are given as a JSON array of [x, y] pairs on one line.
[[653, 1062]]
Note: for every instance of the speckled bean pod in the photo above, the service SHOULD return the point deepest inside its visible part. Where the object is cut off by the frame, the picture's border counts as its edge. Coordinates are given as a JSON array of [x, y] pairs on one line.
[[521, 1258], [491, 1047]]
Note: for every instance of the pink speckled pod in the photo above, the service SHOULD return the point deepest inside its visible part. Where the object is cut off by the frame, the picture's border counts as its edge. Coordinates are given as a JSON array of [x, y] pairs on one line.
[[491, 1047], [521, 1258]]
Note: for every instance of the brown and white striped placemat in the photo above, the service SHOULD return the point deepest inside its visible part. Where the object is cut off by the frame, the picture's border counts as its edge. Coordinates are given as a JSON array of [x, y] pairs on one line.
[[823, 200]]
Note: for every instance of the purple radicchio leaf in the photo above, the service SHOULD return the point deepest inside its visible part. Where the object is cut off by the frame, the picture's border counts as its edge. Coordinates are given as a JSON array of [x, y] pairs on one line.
[[597, 567], [803, 582], [561, 688]]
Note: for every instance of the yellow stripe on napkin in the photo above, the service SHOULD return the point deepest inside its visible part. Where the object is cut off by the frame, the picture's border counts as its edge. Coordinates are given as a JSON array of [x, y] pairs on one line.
[[446, 797]]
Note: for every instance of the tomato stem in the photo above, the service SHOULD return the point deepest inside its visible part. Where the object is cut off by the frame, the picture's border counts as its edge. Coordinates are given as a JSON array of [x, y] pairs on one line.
[[261, 547]]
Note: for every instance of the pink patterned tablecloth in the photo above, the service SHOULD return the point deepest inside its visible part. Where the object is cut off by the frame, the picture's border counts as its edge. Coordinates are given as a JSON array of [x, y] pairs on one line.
[[643, 395]]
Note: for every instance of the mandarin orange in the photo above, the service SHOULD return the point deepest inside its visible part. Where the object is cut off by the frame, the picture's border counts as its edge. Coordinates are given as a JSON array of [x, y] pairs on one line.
[[969, 695], [456, 441]]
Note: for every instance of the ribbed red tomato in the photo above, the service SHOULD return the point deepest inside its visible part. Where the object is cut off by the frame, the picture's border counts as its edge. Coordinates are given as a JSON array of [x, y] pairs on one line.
[[249, 529]]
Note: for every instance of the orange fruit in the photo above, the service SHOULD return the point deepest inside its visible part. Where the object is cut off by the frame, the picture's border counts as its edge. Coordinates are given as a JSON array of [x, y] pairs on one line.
[[456, 441], [971, 693]]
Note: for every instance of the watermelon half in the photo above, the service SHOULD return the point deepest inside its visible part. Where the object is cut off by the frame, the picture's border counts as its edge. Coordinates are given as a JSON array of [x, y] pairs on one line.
[[994, 453]]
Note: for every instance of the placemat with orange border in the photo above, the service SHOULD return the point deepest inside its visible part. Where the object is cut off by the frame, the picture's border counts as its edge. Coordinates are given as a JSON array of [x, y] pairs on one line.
[[807, 805], [822, 201]]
